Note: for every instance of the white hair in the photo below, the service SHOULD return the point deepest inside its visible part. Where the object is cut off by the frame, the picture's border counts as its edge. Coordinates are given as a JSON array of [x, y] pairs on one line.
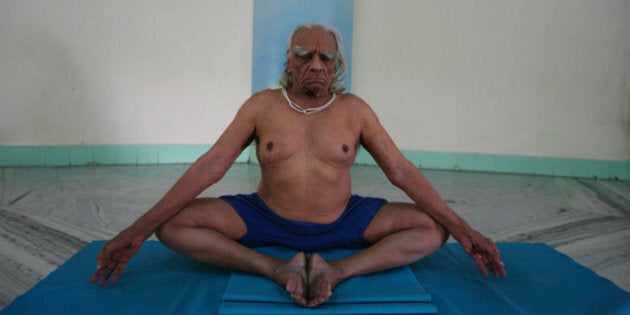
[[341, 65]]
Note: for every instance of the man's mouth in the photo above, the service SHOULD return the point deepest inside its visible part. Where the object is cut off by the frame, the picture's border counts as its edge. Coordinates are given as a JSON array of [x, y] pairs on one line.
[[315, 79]]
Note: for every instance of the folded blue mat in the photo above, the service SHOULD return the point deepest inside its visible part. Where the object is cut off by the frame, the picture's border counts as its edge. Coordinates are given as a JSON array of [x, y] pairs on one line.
[[158, 281], [239, 308], [394, 286], [395, 291]]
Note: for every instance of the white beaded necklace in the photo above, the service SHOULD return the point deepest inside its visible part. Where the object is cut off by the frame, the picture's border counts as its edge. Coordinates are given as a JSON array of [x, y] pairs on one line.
[[306, 111]]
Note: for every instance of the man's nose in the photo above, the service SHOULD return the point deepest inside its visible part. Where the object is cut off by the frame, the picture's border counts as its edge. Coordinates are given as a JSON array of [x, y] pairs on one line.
[[316, 63]]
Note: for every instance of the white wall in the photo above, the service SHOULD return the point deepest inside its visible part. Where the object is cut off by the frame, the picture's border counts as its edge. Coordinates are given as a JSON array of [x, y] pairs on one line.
[[540, 77], [122, 72]]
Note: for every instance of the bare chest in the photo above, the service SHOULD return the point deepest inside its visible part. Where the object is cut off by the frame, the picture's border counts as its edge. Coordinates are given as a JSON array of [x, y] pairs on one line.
[[329, 136]]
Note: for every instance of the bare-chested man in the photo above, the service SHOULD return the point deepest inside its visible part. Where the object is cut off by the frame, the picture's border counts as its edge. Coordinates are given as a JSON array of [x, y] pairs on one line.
[[307, 136]]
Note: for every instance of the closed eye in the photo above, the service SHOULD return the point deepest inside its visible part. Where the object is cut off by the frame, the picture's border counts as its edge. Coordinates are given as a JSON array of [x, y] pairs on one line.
[[303, 53], [306, 54], [328, 56]]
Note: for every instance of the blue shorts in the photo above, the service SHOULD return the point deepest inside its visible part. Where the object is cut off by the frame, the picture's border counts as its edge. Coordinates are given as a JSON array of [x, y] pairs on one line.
[[266, 228]]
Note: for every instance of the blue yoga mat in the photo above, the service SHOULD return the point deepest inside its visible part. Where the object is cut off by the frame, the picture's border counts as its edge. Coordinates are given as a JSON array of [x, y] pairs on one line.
[[158, 281], [540, 280]]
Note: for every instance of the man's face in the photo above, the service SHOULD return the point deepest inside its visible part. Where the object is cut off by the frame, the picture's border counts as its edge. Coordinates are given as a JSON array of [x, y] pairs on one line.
[[311, 62]]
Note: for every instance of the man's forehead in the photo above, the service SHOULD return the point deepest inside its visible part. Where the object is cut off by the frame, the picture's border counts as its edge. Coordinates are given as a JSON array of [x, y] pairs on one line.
[[315, 38]]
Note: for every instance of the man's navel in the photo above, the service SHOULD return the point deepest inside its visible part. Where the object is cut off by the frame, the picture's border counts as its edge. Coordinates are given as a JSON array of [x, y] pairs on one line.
[[269, 146]]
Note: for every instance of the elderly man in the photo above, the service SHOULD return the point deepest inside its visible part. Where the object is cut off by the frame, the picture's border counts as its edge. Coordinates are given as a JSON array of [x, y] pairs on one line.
[[307, 135]]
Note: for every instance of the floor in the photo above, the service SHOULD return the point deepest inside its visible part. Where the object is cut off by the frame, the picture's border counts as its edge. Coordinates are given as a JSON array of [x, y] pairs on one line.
[[48, 214]]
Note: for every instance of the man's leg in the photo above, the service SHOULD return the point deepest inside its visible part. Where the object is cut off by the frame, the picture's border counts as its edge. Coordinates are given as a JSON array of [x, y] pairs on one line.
[[207, 230], [400, 234]]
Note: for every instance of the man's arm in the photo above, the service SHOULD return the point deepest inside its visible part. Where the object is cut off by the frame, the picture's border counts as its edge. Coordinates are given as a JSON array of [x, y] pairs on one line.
[[204, 172], [410, 179]]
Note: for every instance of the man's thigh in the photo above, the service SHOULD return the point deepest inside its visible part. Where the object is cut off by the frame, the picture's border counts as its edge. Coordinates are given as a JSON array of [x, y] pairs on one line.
[[211, 213], [394, 217]]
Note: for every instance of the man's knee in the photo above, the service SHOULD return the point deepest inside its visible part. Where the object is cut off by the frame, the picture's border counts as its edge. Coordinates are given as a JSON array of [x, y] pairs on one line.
[[164, 231], [436, 231], [397, 217], [180, 220], [442, 234], [429, 232], [204, 213]]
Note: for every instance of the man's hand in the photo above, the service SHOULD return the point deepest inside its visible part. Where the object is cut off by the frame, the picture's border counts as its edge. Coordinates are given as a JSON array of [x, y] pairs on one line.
[[484, 252], [115, 255]]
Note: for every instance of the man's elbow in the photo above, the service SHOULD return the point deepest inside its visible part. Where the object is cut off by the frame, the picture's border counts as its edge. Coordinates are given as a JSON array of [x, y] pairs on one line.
[[400, 176], [211, 170]]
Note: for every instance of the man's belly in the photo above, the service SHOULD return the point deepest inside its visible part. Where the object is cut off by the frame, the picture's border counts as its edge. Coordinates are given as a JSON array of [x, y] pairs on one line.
[[322, 203]]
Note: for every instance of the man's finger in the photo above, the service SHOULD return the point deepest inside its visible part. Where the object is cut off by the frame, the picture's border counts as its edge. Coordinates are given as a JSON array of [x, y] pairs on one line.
[[480, 265], [497, 262], [501, 267], [108, 272], [494, 269], [497, 267], [97, 274], [119, 270], [489, 266]]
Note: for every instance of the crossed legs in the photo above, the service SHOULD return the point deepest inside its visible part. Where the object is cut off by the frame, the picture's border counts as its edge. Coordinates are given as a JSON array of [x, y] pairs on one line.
[[207, 230]]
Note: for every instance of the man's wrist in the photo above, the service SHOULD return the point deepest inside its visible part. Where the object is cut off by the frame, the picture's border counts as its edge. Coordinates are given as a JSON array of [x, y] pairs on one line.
[[140, 229]]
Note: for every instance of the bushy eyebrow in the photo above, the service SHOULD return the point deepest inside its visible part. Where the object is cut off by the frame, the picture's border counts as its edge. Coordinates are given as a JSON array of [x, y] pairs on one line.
[[305, 52]]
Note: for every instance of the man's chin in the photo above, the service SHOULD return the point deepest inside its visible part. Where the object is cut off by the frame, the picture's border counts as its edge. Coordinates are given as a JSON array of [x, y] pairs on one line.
[[315, 88]]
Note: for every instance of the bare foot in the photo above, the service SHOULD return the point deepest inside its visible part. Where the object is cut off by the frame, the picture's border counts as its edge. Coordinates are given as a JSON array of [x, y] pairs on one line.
[[322, 279], [292, 275]]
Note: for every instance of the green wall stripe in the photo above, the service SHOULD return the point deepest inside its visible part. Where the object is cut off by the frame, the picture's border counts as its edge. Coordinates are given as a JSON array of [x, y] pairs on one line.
[[103, 155], [170, 154], [512, 164]]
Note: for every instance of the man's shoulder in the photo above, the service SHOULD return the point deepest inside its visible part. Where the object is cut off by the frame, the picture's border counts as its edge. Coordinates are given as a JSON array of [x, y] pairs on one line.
[[353, 101], [261, 99], [266, 94], [349, 96], [359, 108]]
